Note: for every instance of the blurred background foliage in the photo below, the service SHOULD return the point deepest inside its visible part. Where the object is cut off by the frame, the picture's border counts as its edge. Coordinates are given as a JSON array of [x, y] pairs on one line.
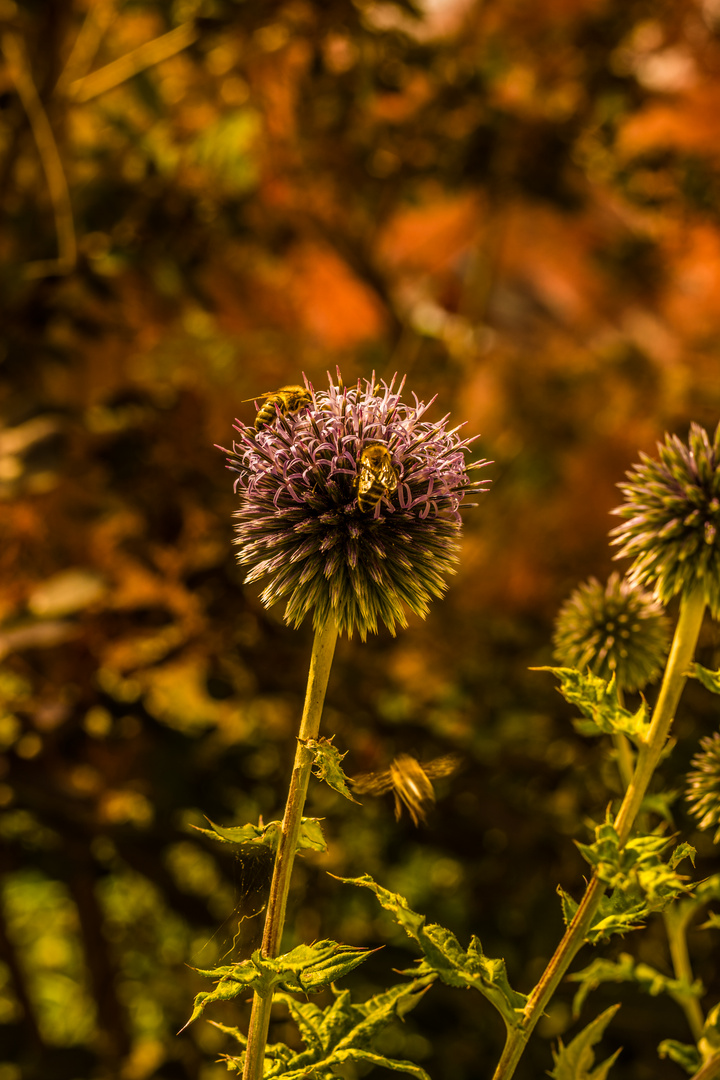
[[514, 202]]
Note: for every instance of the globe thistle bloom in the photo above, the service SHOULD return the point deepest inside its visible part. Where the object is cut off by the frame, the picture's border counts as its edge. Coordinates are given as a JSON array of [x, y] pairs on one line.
[[300, 523], [616, 629], [673, 518], [703, 791]]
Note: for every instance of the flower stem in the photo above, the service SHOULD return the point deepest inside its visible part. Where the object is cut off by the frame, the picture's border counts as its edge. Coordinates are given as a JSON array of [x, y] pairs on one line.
[[320, 664], [710, 1070], [692, 608], [676, 919]]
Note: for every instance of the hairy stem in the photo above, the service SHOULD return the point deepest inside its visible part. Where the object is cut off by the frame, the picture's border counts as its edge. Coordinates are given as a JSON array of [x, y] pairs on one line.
[[692, 608], [320, 664]]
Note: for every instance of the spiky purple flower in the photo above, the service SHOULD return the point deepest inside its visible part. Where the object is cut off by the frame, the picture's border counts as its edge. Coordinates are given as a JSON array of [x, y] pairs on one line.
[[299, 522], [614, 629], [672, 508], [703, 791]]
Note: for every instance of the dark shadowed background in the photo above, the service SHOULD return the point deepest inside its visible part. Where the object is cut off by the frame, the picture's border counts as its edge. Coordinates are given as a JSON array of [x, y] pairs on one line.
[[515, 203]]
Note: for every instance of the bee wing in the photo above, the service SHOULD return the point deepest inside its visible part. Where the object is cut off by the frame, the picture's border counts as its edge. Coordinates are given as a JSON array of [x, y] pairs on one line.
[[267, 394], [389, 476], [442, 766], [365, 477], [372, 783]]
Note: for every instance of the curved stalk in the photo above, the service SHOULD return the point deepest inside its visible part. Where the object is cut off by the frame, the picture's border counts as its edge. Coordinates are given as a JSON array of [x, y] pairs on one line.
[[692, 609], [320, 664]]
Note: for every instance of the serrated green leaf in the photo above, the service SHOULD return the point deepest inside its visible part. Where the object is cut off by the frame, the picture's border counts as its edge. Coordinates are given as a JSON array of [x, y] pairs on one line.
[[625, 969], [709, 679], [683, 1054], [310, 838], [682, 851], [709, 1041], [311, 835], [445, 957], [232, 1031], [367, 1056], [575, 1061], [327, 766], [598, 701], [305, 969], [243, 834], [340, 1033], [569, 906], [679, 914], [639, 879], [308, 1018]]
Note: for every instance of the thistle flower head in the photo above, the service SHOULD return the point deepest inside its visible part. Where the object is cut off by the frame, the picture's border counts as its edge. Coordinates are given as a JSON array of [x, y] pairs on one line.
[[672, 507], [300, 522], [616, 629], [703, 790]]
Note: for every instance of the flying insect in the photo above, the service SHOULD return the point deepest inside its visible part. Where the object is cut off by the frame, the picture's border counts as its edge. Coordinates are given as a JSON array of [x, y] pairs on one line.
[[409, 781]]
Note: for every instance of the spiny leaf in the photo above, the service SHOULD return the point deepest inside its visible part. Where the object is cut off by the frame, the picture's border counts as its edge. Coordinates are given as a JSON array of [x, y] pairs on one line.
[[640, 880], [709, 1041], [305, 969], [598, 701], [685, 1055], [340, 1033], [232, 1031], [625, 969], [311, 835], [709, 679], [327, 765], [408, 1067], [444, 956], [575, 1061], [308, 1018]]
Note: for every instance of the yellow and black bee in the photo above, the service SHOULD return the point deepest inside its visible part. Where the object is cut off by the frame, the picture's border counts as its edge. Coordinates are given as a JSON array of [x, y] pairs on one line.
[[288, 399], [409, 782], [376, 476]]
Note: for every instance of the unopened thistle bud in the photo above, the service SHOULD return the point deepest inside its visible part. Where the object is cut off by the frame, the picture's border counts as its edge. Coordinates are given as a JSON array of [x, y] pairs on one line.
[[672, 507], [617, 629], [350, 505], [703, 790]]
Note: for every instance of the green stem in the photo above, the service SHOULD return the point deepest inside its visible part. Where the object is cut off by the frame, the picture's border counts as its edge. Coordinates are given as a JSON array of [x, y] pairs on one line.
[[692, 608], [623, 750], [320, 664], [624, 758], [710, 1070], [676, 928]]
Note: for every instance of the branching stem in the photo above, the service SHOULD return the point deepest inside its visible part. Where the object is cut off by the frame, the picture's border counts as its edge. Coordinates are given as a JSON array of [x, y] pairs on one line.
[[692, 608], [320, 664]]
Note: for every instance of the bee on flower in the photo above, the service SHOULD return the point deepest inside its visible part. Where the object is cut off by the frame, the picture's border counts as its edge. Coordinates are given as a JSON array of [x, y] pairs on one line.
[[288, 399], [315, 518]]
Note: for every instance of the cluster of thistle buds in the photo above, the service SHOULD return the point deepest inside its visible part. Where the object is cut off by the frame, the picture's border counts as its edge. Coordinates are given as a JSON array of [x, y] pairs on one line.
[[671, 531]]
